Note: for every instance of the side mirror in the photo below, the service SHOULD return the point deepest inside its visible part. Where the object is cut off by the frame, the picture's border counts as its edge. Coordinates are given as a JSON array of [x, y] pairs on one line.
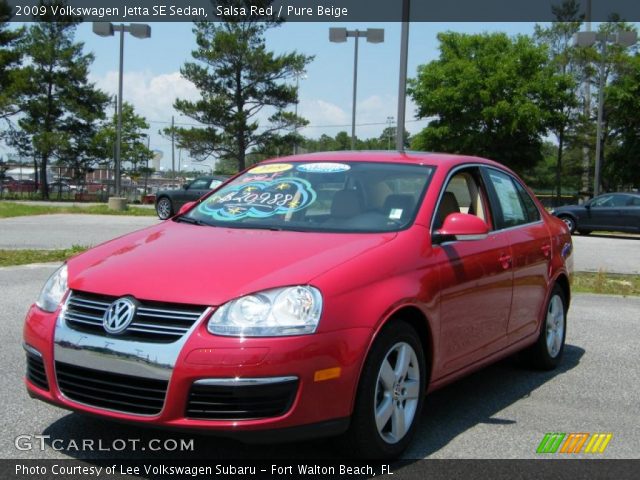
[[461, 226], [186, 207], [185, 186]]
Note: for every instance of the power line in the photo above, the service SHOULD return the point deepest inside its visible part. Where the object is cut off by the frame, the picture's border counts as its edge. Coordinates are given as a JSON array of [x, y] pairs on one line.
[[368, 124]]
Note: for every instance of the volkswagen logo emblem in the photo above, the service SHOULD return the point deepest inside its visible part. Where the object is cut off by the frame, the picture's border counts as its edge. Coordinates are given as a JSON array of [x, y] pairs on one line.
[[119, 316]]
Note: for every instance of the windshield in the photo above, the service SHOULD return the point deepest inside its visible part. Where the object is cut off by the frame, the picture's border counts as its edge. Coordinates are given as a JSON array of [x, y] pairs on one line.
[[319, 197]]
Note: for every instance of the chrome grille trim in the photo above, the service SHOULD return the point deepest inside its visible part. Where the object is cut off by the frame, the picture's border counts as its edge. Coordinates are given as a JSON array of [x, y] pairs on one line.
[[84, 312]]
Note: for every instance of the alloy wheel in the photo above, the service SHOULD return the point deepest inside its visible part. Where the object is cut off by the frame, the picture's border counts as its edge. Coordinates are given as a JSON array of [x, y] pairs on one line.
[[164, 208], [397, 392], [555, 326]]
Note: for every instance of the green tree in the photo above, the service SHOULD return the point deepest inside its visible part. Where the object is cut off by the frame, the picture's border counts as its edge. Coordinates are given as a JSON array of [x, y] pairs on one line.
[[12, 78], [237, 77], [490, 94], [134, 139], [566, 59], [622, 169], [61, 107]]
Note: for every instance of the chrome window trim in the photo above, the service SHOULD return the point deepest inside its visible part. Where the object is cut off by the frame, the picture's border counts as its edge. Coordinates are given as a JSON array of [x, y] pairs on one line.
[[241, 382], [446, 182]]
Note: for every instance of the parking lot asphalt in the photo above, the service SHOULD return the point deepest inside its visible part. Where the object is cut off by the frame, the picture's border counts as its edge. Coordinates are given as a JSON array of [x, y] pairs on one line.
[[502, 411], [65, 230], [610, 253]]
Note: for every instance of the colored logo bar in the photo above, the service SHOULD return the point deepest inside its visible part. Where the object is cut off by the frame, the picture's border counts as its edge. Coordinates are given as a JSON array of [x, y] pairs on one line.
[[574, 443]]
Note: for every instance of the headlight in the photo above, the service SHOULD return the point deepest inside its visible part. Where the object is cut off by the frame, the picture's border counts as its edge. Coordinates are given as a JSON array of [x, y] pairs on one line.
[[53, 291], [270, 313]]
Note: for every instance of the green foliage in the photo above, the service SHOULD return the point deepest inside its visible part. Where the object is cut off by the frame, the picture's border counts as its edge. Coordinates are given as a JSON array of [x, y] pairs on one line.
[[491, 95], [622, 168], [23, 257], [134, 144], [61, 106], [12, 78], [237, 77]]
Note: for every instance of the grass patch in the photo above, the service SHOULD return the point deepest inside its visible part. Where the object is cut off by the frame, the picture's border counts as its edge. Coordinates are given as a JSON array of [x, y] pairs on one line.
[[23, 257], [606, 283], [10, 209]]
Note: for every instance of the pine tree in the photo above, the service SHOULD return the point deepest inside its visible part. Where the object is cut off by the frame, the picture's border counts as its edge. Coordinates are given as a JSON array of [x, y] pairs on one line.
[[61, 105], [237, 77]]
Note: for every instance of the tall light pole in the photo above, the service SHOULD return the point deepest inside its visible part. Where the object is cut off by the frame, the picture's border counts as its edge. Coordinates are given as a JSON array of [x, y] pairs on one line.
[[300, 74], [107, 29], [339, 35], [402, 81], [587, 39]]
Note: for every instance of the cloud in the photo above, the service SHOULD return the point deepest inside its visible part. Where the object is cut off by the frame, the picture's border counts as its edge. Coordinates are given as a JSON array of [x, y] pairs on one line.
[[151, 95]]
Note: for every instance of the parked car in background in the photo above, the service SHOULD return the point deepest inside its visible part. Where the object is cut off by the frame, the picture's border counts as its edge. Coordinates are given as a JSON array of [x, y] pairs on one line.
[[169, 201], [615, 212], [313, 295], [59, 186], [20, 186]]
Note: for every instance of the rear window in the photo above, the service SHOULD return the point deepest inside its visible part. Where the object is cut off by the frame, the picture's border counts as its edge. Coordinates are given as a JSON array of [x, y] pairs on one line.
[[319, 196]]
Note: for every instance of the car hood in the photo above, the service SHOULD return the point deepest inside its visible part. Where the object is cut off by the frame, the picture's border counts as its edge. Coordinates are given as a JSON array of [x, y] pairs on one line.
[[182, 263]]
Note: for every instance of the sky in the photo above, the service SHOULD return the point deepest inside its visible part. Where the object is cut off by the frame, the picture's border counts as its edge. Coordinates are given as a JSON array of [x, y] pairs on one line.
[[152, 79]]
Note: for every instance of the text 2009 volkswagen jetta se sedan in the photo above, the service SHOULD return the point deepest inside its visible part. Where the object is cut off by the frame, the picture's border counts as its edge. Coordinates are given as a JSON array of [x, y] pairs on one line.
[[313, 295]]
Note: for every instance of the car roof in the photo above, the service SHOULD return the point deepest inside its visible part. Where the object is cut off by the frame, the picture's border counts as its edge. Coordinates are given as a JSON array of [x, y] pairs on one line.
[[387, 156]]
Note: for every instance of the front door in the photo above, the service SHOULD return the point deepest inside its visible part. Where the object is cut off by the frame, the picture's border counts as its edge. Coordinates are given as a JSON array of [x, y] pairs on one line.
[[475, 278]]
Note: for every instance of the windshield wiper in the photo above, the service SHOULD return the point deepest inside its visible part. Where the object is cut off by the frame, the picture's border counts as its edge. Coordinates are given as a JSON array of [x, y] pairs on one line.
[[191, 221]]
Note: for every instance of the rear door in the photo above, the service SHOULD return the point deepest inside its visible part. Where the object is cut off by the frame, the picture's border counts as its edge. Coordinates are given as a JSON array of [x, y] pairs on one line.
[[518, 216]]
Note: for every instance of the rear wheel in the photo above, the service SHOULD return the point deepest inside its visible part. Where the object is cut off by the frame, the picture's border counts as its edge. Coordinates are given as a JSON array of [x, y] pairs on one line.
[[546, 353], [390, 395], [164, 208], [569, 222]]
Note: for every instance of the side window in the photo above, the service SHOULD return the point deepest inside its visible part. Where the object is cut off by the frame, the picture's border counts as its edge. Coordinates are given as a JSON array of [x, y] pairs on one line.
[[533, 213], [603, 201], [200, 184], [512, 210], [634, 202], [619, 200], [214, 183], [464, 193]]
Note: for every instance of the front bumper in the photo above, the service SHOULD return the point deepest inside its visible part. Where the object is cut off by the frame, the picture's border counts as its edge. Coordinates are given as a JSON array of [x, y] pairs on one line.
[[201, 356]]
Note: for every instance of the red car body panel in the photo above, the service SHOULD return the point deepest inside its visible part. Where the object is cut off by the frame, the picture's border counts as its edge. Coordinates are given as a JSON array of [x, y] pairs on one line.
[[478, 300]]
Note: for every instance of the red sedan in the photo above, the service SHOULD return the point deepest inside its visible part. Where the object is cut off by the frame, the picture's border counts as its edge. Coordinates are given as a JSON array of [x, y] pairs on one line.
[[310, 295]]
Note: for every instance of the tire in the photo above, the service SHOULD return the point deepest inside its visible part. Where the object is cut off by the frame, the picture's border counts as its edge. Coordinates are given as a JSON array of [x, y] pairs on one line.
[[584, 232], [546, 353], [570, 222], [397, 401], [164, 208]]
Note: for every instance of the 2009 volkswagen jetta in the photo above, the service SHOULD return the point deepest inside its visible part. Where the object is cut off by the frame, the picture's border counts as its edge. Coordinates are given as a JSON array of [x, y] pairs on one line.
[[317, 294]]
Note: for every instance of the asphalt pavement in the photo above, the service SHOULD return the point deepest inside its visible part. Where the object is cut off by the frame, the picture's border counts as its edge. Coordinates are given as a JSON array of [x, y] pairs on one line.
[[65, 230], [610, 253], [502, 411]]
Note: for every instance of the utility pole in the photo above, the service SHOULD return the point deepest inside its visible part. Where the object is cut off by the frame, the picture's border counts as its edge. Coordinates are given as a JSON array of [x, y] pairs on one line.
[[402, 82], [173, 146]]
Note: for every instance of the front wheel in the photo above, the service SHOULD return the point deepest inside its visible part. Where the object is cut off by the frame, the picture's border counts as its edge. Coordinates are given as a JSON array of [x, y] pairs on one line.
[[164, 208], [390, 394]]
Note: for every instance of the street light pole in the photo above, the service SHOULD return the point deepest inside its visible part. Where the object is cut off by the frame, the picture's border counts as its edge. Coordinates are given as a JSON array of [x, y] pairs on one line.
[[339, 35], [402, 82], [597, 174], [119, 121], [107, 29], [587, 39], [355, 90]]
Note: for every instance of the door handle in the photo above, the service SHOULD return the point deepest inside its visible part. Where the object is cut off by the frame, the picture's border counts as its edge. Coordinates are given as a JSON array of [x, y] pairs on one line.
[[505, 260], [546, 249]]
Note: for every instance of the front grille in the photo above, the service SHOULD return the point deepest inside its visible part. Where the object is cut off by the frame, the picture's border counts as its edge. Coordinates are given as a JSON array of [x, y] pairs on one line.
[[113, 391], [35, 371], [153, 321], [246, 402]]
